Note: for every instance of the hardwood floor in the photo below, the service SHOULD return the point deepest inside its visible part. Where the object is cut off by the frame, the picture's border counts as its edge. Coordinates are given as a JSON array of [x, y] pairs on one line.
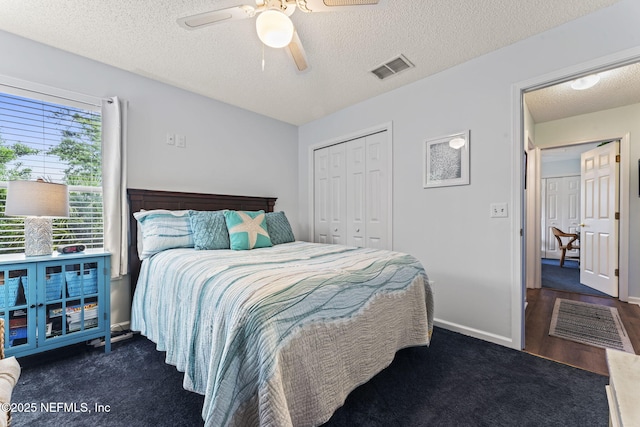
[[539, 342]]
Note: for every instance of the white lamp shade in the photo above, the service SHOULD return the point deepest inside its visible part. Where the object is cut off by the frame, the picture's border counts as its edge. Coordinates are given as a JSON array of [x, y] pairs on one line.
[[37, 198], [274, 28]]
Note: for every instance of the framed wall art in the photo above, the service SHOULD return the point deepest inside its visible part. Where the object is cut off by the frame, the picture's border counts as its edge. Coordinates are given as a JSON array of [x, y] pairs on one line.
[[446, 160]]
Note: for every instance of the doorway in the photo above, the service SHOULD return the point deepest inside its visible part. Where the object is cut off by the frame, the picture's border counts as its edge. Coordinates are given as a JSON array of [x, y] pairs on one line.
[[561, 219], [532, 242]]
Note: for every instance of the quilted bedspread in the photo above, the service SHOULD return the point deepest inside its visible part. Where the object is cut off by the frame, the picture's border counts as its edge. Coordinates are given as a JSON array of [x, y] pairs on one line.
[[279, 336]]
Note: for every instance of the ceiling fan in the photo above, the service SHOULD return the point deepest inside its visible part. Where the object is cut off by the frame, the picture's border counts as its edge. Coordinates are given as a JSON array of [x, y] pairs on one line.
[[273, 25]]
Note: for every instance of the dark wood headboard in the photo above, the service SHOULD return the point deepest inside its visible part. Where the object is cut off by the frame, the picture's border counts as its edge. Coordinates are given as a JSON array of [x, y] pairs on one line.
[[153, 199]]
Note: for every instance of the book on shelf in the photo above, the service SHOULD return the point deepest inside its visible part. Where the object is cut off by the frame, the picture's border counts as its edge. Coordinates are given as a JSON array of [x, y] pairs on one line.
[[17, 322], [88, 323], [57, 312], [17, 333], [89, 313], [21, 312]]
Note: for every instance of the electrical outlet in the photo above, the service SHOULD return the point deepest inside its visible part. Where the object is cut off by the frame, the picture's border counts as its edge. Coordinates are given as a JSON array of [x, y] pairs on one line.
[[499, 210], [171, 139]]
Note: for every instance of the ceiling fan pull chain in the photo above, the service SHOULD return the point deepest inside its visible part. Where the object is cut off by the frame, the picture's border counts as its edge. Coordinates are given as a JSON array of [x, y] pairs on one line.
[[263, 57]]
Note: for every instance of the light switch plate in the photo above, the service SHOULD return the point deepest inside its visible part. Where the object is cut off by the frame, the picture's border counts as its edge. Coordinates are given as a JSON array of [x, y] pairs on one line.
[[181, 141]]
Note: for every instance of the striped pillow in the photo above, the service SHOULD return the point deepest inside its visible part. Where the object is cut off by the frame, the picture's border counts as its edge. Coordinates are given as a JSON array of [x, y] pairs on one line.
[[163, 229]]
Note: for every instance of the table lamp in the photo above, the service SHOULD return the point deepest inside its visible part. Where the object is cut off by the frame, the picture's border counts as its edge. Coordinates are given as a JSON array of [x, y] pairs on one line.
[[39, 202]]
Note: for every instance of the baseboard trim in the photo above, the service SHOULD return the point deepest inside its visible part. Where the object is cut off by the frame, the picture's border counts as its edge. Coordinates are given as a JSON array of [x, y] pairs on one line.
[[476, 333], [634, 300]]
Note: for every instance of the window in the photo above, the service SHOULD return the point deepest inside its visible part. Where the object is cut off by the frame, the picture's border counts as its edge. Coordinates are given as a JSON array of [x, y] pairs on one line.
[[57, 139]]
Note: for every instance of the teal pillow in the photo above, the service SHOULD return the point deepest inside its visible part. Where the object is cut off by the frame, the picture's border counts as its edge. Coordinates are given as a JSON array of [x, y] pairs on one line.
[[247, 230], [279, 228], [209, 230]]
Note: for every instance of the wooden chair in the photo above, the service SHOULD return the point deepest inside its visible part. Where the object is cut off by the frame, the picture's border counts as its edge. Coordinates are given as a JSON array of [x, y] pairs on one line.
[[564, 247]]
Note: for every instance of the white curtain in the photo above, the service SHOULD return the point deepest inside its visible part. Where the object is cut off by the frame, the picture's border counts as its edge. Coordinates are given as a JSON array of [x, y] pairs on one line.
[[114, 183]]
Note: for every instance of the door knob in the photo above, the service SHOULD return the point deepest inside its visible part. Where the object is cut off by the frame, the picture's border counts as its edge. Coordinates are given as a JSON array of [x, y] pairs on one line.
[[582, 225], [357, 230]]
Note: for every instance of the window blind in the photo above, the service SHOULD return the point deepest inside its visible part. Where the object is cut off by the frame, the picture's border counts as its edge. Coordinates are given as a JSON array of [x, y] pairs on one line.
[[59, 140]]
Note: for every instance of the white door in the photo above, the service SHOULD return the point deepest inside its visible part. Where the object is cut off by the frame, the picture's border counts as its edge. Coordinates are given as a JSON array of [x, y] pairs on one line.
[[329, 198], [353, 192], [552, 216], [321, 195], [368, 192], [377, 191], [356, 159], [571, 203], [599, 227], [561, 210], [337, 194], [571, 208]]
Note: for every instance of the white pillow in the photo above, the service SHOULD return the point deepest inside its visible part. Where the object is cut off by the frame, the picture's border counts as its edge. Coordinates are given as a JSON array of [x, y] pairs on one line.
[[9, 374], [163, 229]]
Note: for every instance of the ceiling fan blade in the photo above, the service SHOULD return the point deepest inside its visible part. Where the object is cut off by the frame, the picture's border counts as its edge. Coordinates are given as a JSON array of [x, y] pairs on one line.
[[338, 5], [297, 53], [200, 20]]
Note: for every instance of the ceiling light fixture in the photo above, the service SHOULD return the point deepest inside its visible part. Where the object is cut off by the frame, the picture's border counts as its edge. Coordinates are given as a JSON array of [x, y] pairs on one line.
[[457, 143], [274, 28], [585, 82]]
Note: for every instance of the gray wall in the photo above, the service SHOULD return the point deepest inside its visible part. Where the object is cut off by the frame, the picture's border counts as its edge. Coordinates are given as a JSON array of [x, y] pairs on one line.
[[228, 150], [472, 257], [469, 255], [560, 168]]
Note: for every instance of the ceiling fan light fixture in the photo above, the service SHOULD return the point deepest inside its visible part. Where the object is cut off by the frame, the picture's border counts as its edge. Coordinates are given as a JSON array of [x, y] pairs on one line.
[[274, 28], [585, 82]]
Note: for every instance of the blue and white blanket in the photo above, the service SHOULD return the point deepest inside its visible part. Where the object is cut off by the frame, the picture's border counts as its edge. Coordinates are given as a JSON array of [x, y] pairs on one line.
[[279, 336]]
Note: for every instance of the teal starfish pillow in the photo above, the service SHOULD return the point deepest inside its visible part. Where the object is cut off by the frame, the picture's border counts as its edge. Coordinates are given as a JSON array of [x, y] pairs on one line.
[[247, 230]]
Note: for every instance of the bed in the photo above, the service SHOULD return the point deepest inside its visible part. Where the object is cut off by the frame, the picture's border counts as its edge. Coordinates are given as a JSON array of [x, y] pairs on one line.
[[280, 335]]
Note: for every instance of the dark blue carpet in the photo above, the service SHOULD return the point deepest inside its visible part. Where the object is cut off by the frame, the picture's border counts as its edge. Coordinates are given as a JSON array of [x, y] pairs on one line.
[[457, 381], [566, 278]]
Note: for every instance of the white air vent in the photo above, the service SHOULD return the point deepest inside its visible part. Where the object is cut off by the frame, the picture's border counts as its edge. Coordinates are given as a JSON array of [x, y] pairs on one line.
[[392, 67]]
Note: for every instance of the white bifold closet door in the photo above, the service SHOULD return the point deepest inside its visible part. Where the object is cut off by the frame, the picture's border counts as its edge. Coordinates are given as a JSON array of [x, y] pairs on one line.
[[561, 209], [352, 192], [330, 194]]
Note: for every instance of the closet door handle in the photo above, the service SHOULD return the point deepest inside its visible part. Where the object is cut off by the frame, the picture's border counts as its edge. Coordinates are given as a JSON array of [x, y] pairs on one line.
[[357, 230]]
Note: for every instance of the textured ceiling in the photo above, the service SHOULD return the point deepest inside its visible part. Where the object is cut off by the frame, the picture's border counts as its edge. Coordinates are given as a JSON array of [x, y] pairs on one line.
[[617, 87], [223, 61]]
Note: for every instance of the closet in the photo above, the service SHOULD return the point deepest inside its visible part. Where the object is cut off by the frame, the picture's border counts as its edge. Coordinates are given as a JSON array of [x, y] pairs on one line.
[[352, 192], [561, 209]]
